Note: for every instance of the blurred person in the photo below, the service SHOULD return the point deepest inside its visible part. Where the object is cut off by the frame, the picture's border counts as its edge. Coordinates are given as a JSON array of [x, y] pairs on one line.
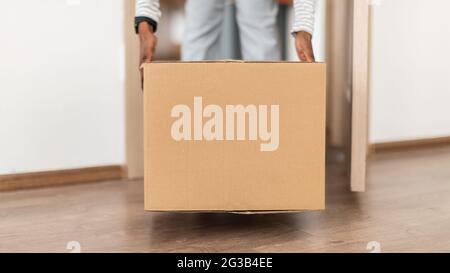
[[256, 22]]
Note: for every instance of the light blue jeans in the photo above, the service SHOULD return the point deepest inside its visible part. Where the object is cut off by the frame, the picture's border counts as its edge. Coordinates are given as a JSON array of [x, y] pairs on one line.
[[257, 22]]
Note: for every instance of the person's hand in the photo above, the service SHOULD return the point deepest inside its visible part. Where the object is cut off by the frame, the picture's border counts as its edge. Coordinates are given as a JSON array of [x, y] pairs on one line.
[[303, 45], [148, 43]]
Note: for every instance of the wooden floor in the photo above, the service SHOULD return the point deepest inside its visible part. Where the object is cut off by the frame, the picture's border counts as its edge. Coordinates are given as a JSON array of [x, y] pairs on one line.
[[406, 208]]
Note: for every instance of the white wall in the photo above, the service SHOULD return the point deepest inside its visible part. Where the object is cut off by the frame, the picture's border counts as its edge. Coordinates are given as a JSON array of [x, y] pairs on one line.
[[410, 73], [61, 84]]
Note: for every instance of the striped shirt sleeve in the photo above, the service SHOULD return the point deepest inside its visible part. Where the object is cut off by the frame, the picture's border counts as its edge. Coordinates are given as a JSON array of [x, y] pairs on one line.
[[304, 16], [149, 9]]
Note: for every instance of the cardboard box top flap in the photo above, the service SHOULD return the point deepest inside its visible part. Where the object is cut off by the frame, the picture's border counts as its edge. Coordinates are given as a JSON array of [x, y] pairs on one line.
[[232, 61], [241, 212]]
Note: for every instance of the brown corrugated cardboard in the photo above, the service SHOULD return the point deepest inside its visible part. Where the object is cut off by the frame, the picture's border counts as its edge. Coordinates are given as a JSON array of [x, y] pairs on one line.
[[234, 136]]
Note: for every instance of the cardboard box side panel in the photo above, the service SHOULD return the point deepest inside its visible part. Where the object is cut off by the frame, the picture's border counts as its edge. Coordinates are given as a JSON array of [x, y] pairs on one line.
[[201, 175]]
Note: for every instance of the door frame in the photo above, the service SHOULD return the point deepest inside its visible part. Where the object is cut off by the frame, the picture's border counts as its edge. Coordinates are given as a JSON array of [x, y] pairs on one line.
[[134, 113], [360, 95]]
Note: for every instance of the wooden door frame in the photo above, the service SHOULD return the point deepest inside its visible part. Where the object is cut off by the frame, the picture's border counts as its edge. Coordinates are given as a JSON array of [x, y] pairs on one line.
[[360, 95], [134, 113]]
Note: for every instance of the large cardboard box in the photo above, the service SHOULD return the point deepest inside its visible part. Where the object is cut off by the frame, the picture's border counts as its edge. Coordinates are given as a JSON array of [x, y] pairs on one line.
[[234, 136]]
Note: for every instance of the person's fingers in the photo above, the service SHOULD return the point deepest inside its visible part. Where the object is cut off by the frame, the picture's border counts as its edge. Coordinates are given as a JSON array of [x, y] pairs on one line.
[[141, 69], [148, 45], [147, 58], [305, 54], [309, 55], [302, 54]]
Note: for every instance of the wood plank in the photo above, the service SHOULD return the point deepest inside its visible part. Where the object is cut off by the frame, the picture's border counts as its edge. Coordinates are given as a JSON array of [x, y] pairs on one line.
[[360, 95], [60, 177]]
